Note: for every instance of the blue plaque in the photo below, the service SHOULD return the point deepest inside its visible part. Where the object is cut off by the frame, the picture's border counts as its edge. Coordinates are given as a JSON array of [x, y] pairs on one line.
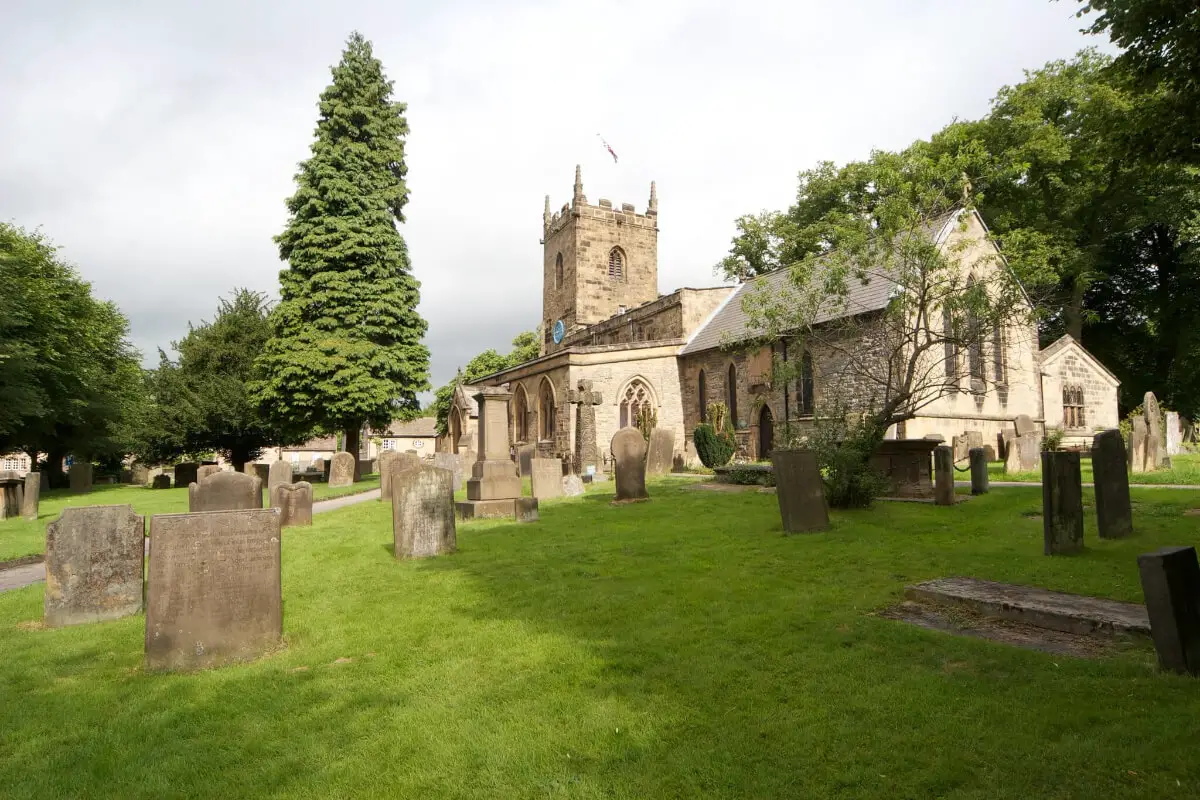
[[560, 330]]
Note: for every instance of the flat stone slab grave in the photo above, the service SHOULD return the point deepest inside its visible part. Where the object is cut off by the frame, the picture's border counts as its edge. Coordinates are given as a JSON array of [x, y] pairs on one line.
[[1058, 611]]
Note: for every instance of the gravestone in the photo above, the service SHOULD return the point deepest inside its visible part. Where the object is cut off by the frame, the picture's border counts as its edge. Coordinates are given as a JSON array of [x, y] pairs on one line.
[[326, 467], [161, 482], [423, 512], [81, 476], [1171, 585], [979, 473], [525, 454], [989, 452], [33, 492], [391, 464], [943, 475], [139, 475], [45, 487], [186, 473], [1137, 443], [1062, 503], [1109, 473], [295, 503], [546, 475], [800, 491], [572, 485], [660, 455], [629, 455], [1024, 452], [1156, 440], [11, 495], [215, 593], [225, 491], [1174, 434], [527, 509], [278, 473], [452, 462], [341, 471], [905, 464], [94, 558], [587, 453], [1024, 424], [364, 467], [205, 470], [494, 485]]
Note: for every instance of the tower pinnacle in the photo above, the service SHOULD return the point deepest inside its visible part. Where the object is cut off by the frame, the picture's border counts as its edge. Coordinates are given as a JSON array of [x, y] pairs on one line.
[[578, 199], [653, 209]]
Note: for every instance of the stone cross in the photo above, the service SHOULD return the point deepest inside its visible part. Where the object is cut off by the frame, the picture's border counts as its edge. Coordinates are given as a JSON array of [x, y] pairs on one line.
[[586, 452]]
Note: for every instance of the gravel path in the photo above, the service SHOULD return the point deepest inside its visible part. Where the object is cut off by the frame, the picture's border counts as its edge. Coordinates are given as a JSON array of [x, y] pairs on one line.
[[20, 577]]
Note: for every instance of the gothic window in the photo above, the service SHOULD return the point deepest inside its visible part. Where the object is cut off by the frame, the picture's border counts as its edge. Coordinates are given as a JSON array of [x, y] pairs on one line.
[[637, 396], [558, 272], [702, 397], [804, 387], [951, 353], [999, 355], [731, 395], [520, 415], [546, 410], [455, 429], [616, 264], [1073, 407]]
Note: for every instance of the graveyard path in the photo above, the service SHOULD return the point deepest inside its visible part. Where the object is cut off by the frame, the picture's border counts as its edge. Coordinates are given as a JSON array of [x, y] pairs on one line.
[[29, 574], [1087, 485]]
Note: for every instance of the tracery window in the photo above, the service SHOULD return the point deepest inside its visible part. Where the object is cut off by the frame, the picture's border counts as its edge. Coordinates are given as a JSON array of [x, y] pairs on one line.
[[1073, 406], [637, 396], [546, 410], [616, 264]]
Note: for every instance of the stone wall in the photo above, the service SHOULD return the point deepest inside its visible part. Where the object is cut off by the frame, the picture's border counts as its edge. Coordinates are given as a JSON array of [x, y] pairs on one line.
[[1099, 393]]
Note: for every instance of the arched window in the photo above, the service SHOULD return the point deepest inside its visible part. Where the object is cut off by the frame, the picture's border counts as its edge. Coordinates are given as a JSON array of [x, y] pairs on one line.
[[616, 265], [731, 395], [558, 272], [636, 397], [951, 352], [702, 397], [546, 410], [1073, 407], [455, 428], [520, 415], [804, 386]]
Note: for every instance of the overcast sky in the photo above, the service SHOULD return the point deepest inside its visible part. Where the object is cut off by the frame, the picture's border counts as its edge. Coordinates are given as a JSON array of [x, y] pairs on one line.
[[155, 142]]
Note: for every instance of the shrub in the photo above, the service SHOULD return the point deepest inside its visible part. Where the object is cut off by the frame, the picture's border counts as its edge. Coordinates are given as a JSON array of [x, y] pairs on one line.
[[843, 446], [1053, 439], [647, 419], [718, 417], [715, 449], [744, 476]]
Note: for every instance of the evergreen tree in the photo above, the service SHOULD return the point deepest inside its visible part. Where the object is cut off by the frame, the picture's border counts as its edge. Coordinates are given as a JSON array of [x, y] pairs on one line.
[[347, 346]]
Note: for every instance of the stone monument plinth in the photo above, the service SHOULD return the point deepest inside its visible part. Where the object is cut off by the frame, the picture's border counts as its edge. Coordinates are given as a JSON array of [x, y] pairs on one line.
[[494, 486]]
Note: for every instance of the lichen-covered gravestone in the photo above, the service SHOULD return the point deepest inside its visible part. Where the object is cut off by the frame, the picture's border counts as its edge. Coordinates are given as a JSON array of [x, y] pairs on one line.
[[33, 491], [1137, 443], [341, 470], [526, 509], [423, 512], [215, 592], [452, 462], [800, 491], [661, 451], [1062, 503], [572, 486], [629, 454], [1156, 440], [161, 482], [205, 470], [279, 473], [391, 464], [94, 558], [225, 491], [525, 454], [546, 475], [186, 473], [81, 477], [1109, 471], [1174, 434], [294, 501]]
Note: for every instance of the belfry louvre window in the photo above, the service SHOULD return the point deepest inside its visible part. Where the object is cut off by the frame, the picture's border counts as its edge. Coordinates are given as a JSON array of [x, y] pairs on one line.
[[1073, 407], [616, 264]]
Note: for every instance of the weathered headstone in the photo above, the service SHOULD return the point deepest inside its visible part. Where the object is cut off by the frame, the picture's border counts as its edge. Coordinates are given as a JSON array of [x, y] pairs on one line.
[[546, 476], [225, 491], [294, 501], [139, 474], [943, 475], [1024, 452], [278, 473], [215, 592], [81, 476], [587, 453], [452, 462], [1062, 503], [1137, 443], [33, 492], [45, 485], [989, 452], [186, 473], [94, 558], [661, 451], [629, 455], [1171, 586], [527, 509], [11, 494], [800, 491], [423, 512], [1024, 424], [205, 470], [1109, 472], [494, 484], [979, 473], [572, 485], [1156, 439], [161, 482], [905, 465], [525, 455], [1174, 434], [363, 466], [391, 463], [341, 473]]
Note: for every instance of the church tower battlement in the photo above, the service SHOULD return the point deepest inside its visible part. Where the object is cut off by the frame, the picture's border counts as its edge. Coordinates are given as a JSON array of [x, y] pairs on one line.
[[597, 260]]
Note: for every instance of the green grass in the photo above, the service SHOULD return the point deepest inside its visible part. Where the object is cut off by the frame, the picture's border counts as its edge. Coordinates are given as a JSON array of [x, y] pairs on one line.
[[1184, 471], [676, 648], [19, 537]]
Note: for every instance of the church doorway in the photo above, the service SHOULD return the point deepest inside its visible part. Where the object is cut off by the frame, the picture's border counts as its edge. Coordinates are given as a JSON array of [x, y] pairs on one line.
[[766, 432]]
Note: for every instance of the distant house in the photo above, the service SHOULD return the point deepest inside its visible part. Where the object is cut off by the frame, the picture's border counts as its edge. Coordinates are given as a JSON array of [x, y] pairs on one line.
[[321, 449], [418, 434], [15, 462]]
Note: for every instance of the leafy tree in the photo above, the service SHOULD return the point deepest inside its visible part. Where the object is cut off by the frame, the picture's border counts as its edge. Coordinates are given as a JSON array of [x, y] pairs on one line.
[[347, 346], [755, 249]]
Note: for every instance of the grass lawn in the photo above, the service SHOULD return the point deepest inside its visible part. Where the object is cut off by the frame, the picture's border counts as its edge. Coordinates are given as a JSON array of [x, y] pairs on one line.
[[1184, 471], [676, 648], [19, 537]]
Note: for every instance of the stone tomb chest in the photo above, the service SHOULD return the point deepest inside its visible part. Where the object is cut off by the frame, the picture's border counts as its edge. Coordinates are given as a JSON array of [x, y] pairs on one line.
[[907, 464]]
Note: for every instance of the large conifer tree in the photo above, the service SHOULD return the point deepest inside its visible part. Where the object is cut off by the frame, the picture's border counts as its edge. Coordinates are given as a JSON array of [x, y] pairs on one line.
[[347, 345]]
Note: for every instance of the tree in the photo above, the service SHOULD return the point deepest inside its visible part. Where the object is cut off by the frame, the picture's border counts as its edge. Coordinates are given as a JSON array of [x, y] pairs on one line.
[[347, 343], [525, 348], [755, 249]]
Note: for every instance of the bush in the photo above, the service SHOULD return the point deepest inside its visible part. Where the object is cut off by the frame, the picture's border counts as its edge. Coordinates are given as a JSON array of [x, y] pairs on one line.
[[745, 476], [647, 420], [843, 448], [1053, 439], [715, 449], [718, 417]]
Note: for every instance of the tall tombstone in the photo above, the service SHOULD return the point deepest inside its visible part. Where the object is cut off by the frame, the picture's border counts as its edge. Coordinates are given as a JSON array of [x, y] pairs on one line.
[[452, 462], [979, 474], [494, 485], [1174, 434], [1137, 443], [1171, 585], [1024, 453], [943, 475], [660, 456], [629, 458], [423, 513], [587, 452], [1114, 513], [94, 558], [33, 492], [162, 481], [81, 477], [186, 473], [295, 503], [800, 491], [341, 471], [546, 476], [278, 473], [225, 491], [11, 494], [139, 474], [1156, 440], [1023, 423], [1062, 503], [215, 593], [525, 456]]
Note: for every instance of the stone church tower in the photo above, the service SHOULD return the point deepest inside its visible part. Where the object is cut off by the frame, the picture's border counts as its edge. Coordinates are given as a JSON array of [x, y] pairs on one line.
[[597, 262]]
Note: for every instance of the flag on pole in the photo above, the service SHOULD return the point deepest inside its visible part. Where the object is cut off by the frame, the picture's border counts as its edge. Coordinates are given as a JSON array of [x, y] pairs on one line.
[[608, 147]]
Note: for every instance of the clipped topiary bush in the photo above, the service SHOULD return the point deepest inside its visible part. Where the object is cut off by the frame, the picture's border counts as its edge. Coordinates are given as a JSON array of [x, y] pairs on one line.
[[715, 449]]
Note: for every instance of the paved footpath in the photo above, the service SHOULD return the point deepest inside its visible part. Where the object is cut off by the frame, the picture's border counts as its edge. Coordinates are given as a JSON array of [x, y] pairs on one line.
[[1087, 485], [20, 577]]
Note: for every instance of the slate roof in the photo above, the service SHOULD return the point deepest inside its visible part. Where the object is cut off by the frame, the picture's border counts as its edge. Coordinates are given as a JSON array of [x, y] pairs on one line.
[[419, 428]]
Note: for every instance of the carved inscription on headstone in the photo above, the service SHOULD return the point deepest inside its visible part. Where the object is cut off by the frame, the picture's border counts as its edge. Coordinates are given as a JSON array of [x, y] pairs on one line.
[[94, 557], [659, 457]]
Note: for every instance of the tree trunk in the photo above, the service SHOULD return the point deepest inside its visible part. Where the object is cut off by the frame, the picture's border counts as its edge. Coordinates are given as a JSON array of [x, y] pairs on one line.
[[353, 434], [238, 456], [54, 460]]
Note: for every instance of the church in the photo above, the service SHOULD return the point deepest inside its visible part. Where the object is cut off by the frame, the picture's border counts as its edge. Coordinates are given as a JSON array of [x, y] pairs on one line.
[[613, 346]]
